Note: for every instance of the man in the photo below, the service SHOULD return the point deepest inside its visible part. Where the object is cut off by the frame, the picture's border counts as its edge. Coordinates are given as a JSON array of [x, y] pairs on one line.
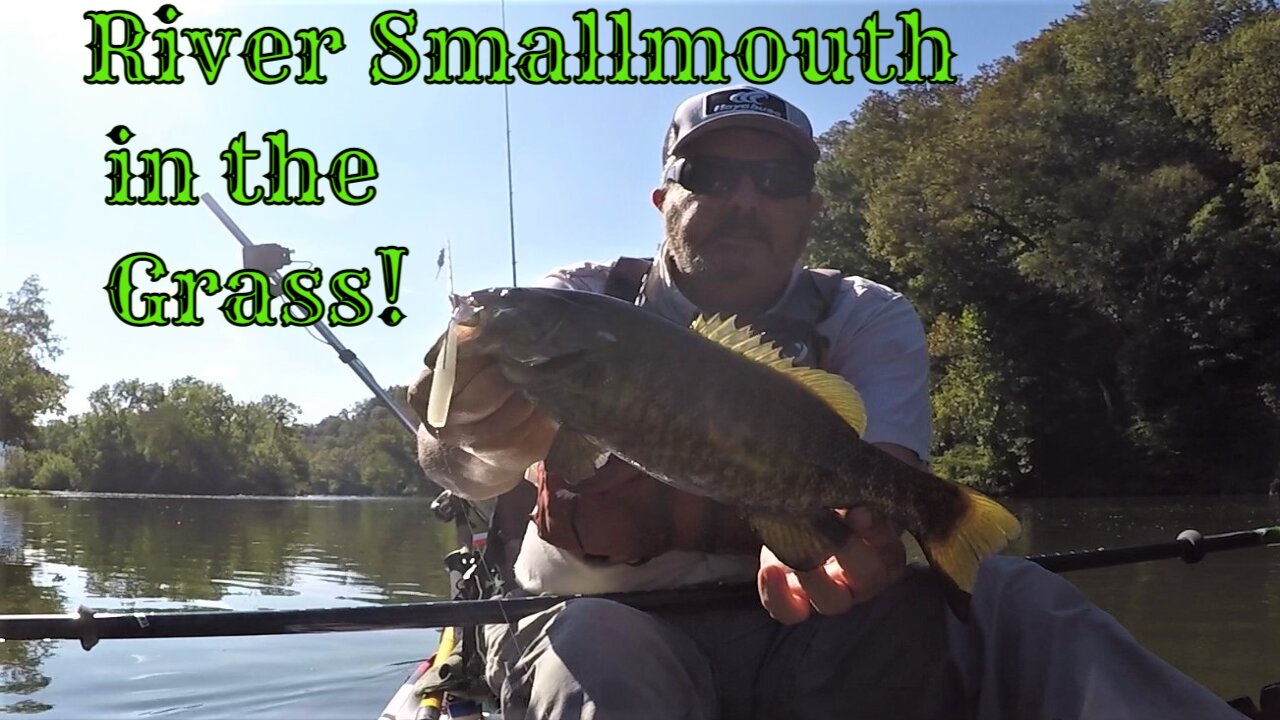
[[865, 635]]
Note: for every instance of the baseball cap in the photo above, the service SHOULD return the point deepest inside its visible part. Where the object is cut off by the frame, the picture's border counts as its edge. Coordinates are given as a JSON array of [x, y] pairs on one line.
[[739, 106]]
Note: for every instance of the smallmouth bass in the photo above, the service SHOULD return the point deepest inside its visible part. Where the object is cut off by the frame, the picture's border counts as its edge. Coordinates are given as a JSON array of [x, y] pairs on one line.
[[714, 410]]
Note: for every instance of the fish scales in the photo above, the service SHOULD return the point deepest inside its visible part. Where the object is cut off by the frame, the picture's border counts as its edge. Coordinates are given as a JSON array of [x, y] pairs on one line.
[[710, 420]]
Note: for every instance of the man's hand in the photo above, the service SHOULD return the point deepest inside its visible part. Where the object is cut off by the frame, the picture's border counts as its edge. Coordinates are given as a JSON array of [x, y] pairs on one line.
[[872, 560], [487, 417]]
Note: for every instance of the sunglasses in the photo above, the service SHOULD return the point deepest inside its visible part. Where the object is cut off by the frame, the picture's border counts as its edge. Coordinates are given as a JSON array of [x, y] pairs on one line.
[[719, 176]]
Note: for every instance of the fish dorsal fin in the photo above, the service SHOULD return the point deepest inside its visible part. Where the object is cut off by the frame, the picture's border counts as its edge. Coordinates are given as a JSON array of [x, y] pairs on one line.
[[833, 389], [724, 331]]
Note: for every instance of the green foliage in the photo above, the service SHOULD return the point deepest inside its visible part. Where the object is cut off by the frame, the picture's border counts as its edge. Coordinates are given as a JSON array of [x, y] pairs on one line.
[[19, 468], [976, 420], [364, 450], [192, 437], [28, 388], [1092, 230], [55, 472]]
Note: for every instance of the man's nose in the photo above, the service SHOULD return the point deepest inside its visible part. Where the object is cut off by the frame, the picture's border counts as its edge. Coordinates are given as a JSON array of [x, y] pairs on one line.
[[744, 195]]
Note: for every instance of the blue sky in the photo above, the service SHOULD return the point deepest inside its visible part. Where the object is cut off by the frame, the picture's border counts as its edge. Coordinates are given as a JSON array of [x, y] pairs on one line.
[[584, 159]]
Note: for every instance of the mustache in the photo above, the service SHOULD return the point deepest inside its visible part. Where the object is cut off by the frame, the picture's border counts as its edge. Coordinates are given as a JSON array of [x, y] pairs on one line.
[[741, 225]]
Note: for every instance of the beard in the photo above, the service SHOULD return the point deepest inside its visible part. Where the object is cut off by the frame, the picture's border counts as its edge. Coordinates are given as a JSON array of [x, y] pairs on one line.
[[712, 256]]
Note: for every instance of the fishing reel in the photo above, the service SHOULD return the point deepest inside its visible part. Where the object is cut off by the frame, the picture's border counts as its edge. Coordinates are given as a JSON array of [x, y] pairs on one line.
[[464, 570], [470, 577], [268, 259], [445, 507]]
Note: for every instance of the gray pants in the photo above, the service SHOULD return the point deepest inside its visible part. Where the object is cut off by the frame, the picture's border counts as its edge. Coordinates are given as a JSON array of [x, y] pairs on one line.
[[1034, 649], [1038, 649]]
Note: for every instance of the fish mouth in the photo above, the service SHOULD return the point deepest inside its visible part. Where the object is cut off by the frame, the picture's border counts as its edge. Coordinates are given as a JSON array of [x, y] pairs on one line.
[[475, 308], [484, 306]]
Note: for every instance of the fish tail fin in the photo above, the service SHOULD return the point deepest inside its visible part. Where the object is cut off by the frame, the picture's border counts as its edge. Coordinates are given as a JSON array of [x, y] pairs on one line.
[[984, 528]]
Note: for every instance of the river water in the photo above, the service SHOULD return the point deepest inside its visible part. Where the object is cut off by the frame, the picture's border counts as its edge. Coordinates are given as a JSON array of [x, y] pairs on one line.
[[1218, 621]]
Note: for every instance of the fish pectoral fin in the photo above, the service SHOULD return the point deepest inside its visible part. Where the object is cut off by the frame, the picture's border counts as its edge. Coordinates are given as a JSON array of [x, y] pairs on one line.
[[574, 457], [801, 542]]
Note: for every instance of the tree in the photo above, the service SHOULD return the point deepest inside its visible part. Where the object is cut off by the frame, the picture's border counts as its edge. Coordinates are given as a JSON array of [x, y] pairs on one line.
[[56, 472], [269, 447], [1104, 207], [106, 446], [28, 388], [365, 450]]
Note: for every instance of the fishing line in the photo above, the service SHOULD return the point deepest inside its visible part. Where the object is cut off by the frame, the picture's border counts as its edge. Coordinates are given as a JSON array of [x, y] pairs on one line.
[[442, 384], [489, 573], [317, 338], [446, 259]]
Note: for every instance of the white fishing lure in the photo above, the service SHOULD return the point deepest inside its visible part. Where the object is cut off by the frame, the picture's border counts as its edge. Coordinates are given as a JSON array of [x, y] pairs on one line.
[[445, 373], [443, 377]]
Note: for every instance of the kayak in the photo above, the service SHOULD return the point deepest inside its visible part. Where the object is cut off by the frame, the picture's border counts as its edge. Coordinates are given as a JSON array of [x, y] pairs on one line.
[[407, 704]]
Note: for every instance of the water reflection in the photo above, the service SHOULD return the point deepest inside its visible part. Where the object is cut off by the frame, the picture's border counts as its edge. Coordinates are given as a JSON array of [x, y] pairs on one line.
[[186, 550], [125, 553], [20, 675], [1218, 621]]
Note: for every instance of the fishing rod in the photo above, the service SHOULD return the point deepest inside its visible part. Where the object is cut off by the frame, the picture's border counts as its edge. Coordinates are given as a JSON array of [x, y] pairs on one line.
[[1190, 546], [270, 258], [511, 192], [89, 628]]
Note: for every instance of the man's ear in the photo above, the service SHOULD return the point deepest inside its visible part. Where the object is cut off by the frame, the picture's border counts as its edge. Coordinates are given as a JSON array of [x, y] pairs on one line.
[[658, 197]]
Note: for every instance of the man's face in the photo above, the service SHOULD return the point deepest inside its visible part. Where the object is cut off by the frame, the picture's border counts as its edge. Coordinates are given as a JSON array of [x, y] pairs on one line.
[[742, 235]]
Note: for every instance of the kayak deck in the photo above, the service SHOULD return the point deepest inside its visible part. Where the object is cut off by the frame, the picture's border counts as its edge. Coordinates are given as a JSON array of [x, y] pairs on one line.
[[405, 704]]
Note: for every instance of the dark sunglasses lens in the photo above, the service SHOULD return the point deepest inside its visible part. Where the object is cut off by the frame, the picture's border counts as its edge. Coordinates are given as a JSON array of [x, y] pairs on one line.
[[783, 179], [708, 176], [775, 178]]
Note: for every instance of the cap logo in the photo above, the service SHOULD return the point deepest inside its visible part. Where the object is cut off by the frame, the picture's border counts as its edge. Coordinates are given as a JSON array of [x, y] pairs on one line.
[[749, 97], [756, 101]]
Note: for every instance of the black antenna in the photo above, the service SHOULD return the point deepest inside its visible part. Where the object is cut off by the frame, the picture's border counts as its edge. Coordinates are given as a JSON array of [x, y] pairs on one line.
[[511, 203]]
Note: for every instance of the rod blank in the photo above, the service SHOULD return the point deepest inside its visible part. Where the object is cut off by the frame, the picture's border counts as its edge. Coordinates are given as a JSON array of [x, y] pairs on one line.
[[89, 628]]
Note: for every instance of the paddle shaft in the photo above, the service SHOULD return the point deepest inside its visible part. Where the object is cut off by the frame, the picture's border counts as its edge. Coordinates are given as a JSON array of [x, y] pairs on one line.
[[89, 628], [1191, 546]]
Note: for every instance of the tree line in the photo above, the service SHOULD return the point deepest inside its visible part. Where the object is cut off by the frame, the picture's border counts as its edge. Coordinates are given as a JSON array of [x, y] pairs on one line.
[[193, 437], [1090, 229], [189, 437]]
